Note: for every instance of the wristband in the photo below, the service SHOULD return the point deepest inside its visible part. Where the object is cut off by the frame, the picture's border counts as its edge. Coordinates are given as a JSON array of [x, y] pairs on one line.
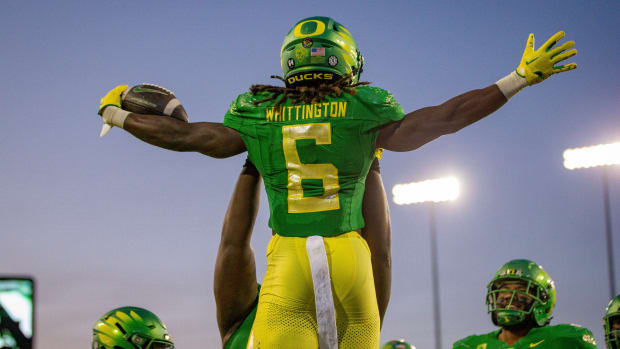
[[511, 84], [114, 116]]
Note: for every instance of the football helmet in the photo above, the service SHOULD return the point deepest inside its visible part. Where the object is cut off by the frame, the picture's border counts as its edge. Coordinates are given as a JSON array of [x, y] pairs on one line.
[[533, 298], [319, 49], [130, 328], [397, 344], [612, 315]]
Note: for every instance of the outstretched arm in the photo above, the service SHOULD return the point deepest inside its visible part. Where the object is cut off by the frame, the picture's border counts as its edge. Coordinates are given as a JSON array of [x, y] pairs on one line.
[[234, 281], [424, 125], [209, 138]]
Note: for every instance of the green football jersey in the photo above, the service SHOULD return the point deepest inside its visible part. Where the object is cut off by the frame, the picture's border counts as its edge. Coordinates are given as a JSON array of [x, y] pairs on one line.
[[548, 337], [314, 158]]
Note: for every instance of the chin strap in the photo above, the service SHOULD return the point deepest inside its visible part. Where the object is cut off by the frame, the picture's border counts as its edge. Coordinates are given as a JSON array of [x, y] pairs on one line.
[[323, 298]]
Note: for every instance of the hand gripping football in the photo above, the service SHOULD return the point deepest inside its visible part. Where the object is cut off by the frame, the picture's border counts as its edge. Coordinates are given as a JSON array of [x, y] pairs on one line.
[[153, 100]]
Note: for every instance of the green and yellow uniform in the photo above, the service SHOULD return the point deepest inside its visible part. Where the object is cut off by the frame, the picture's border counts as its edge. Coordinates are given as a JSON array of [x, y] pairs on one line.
[[548, 337], [314, 159]]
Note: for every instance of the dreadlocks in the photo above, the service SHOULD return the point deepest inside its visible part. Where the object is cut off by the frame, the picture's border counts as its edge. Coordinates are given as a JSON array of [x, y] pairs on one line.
[[305, 94]]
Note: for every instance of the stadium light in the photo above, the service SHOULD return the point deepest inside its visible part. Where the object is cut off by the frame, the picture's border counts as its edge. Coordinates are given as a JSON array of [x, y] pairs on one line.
[[431, 191], [594, 156]]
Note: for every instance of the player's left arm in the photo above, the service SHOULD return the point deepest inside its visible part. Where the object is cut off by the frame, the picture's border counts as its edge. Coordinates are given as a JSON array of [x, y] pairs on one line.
[[209, 138], [424, 125]]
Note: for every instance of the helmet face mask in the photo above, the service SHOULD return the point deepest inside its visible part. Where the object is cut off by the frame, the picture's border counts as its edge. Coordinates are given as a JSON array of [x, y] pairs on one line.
[[611, 324], [319, 50], [130, 328], [612, 336], [521, 293], [512, 301]]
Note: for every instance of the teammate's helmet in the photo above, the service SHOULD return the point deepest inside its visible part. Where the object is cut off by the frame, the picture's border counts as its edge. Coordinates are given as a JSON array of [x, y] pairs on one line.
[[397, 344], [538, 293], [612, 314], [319, 49], [130, 328]]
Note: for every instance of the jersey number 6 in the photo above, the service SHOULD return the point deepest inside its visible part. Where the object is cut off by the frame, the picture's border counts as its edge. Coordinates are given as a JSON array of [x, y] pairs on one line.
[[297, 171]]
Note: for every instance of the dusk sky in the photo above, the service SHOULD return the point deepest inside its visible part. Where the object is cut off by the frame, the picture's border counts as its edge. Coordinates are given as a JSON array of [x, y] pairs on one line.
[[107, 222]]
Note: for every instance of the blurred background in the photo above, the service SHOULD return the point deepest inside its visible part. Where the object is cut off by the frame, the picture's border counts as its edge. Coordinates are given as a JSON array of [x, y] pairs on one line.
[[106, 222]]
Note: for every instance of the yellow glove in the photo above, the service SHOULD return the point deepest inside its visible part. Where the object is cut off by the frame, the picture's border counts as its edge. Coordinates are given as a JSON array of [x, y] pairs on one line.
[[112, 116], [538, 65], [112, 98]]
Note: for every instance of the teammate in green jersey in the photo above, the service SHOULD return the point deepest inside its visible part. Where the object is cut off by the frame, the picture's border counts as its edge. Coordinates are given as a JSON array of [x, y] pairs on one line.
[[130, 328], [520, 299], [313, 142], [235, 281], [611, 324]]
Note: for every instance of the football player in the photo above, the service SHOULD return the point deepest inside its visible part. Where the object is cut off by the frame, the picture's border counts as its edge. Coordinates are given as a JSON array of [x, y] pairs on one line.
[[611, 324], [130, 328], [520, 299], [235, 283], [313, 141]]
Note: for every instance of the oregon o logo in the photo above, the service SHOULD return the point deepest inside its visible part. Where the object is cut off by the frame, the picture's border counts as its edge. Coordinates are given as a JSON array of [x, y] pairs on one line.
[[320, 28]]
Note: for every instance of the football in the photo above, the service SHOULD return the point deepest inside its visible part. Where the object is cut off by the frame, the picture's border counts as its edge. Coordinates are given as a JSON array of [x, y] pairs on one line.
[[153, 100]]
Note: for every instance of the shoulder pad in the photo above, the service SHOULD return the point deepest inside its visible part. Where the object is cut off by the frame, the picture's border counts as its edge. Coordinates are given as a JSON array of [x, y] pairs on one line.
[[375, 95], [570, 333], [243, 101]]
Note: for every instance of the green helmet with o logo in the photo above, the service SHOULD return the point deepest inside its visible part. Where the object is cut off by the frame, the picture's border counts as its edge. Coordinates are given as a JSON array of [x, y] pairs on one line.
[[397, 344], [130, 328], [612, 314], [539, 289], [319, 49]]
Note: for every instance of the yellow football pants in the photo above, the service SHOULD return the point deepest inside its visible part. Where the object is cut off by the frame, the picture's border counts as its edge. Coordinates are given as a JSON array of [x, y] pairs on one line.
[[286, 316]]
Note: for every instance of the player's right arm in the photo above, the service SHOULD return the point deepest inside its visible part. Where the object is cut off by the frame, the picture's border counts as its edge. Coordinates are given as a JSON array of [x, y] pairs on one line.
[[209, 138], [424, 125]]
